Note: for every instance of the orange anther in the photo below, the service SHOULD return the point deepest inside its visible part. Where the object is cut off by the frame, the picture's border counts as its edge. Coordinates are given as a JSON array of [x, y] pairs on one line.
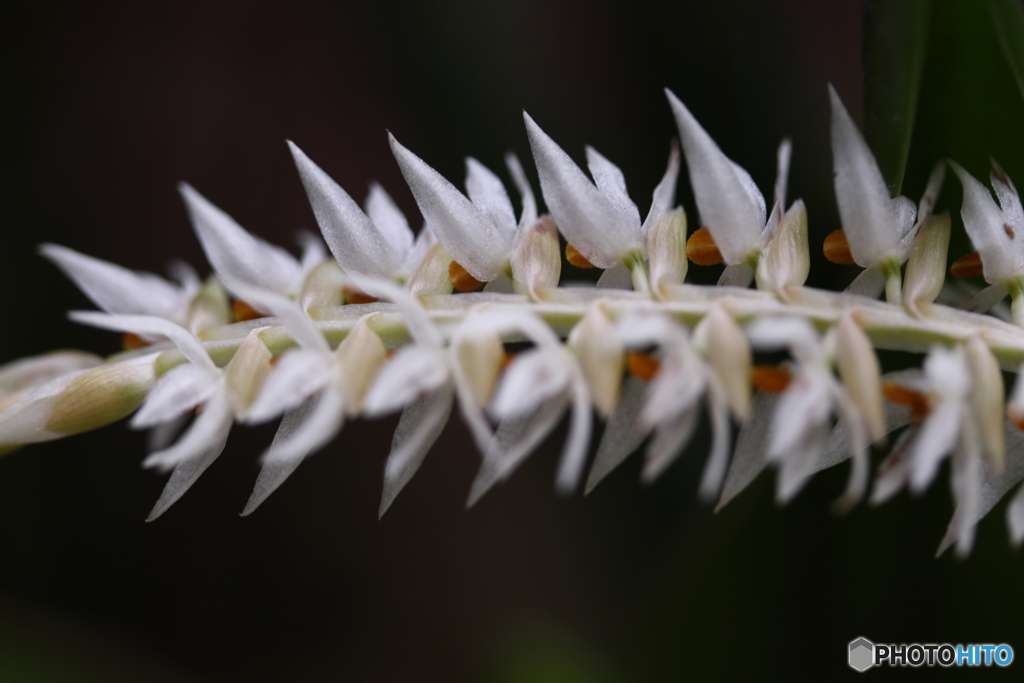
[[905, 396], [837, 249], [967, 266], [642, 365], [130, 342], [575, 258], [701, 248], [354, 296], [507, 360], [1018, 420], [461, 279], [244, 311], [772, 379]]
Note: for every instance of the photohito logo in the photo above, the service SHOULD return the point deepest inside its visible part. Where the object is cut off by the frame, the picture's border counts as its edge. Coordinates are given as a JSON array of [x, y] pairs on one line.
[[863, 654]]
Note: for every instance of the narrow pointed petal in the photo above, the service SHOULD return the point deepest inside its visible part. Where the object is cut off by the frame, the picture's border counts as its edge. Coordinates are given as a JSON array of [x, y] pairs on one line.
[[184, 475], [323, 422], [670, 439], [721, 440], [728, 352], [589, 220], [798, 466], [235, 253], [207, 433], [986, 399], [299, 326], [537, 259], [724, 198], [936, 438], [750, 455], [116, 289], [186, 342], [297, 375], [274, 472], [421, 423], [926, 267], [782, 158], [612, 183], [1001, 250], [471, 236], [175, 393], [865, 208], [600, 354], [623, 434], [666, 251], [861, 373], [664, 197], [488, 193], [389, 220], [574, 452], [412, 372], [357, 244], [529, 214], [534, 376]]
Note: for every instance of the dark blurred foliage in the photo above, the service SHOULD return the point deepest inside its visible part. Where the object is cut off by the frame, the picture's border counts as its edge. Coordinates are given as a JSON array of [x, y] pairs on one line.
[[109, 105]]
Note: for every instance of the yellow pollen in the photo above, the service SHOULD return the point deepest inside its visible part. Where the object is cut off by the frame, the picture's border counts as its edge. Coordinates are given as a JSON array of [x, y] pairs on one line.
[[837, 249], [772, 379], [642, 365], [575, 258], [461, 279], [701, 248], [967, 266]]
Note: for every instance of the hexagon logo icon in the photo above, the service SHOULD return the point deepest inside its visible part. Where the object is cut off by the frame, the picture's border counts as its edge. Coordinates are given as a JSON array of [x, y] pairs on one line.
[[862, 654]]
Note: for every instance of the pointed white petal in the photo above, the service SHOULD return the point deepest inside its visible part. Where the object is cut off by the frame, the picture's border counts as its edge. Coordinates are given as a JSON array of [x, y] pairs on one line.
[[323, 421], [869, 283], [664, 197], [207, 433], [274, 472], [612, 183], [421, 423], [313, 252], [782, 157], [865, 209], [163, 435], [532, 377], [589, 220], [736, 275], [726, 198], [488, 193], [299, 326], [116, 289], [235, 253], [802, 408], [297, 375], [1009, 199], [721, 439], [356, 243], [574, 452], [412, 372], [529, 214], [600, 354], [26, 373], [670, 439], [936, 438], [471, 236], [389, 220], [177, 392], [186, 342], [616, 277], [1001, 250], [623, 433], [750, 455], [184, 475], [798, 466]]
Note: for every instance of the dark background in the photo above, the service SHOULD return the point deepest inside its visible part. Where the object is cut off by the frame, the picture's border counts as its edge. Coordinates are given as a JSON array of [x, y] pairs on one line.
[[109, 105]]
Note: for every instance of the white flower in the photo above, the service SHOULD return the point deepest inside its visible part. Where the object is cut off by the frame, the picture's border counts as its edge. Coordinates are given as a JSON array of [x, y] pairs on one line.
[[597, 218]]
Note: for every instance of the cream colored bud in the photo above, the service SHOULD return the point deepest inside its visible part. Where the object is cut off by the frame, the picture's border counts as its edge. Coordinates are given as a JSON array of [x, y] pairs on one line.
[[727, 350], [537, 260], [246, 372], [431, 277], [926, 268], [666, 251], [786, 258], [209, 308], [987, 399], [21, 375], [322, 287], [861, 375], [97, 397], [480, 356], [362, 354], [601, 356]]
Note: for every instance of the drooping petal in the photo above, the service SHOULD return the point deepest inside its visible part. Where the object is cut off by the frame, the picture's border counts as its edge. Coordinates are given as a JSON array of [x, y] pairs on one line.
[[184, 475], [488, 193], [533, 376], [622, 435], [865, 208], [323, 421], [935, 440], [235, 253], [721, 438], [750, 455], [725, 196], [175, 393], [186, 342], [669, 440], [471, 236], [389, 220], [412, 372], [274, 472], [421, 423], [207, 433], [116, 289], [600, 354], [357, 244], [589, 220], [574, 451], [297, 375]]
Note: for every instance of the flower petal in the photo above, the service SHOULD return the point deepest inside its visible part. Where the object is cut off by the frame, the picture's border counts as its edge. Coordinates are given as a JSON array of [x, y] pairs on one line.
[[622, 435], [412, 372], [529, 214], [1001, 250], [357, 244], [207, 433], [670, 439], [389, 220], [729, 203], [588, 219], [297, 375], [599, 352], [612, 183], [488, 193], [664, 197], [534, 376], [274, 472], [235, 253], [116, 289], [471, 236], [750, 456], [186, 342], [176, 392], [574, 452], [865, 209]]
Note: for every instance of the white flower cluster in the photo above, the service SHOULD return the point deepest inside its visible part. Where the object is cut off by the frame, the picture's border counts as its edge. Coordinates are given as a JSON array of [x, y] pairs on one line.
[[392, 323]]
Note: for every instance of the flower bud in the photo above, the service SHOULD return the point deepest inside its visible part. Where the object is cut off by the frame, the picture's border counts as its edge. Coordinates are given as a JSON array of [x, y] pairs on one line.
[[728, 352], [480, 356], [862, 377], [322, 286], [82, 401], [246, 372], [362, 354], [786, 259], [536, 262], [431, 277], [986, 399], [601, 357]]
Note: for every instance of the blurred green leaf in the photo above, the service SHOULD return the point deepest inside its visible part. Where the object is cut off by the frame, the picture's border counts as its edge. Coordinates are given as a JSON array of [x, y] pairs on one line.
[[1008, 17], [895, 38]]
